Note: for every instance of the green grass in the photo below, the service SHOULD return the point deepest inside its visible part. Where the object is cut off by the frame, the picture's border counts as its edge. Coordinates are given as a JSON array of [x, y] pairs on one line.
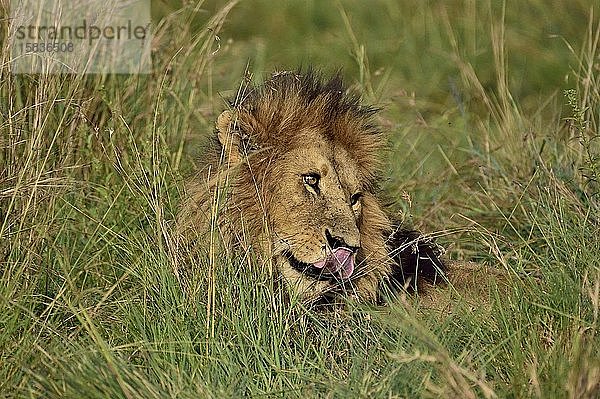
[[491, 150]]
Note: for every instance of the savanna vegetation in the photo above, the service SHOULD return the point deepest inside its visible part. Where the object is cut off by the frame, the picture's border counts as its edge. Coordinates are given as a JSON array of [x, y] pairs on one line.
[[492, 113]]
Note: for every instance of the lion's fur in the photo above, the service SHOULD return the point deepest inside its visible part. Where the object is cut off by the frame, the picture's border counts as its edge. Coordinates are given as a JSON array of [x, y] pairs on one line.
[[250, 189]]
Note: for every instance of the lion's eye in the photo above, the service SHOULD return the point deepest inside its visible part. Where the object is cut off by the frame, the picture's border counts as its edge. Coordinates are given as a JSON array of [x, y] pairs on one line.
[[354, 199], [311, 179]]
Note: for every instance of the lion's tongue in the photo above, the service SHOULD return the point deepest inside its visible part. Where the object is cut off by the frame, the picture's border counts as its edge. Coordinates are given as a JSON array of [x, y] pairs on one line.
[[340, 262]]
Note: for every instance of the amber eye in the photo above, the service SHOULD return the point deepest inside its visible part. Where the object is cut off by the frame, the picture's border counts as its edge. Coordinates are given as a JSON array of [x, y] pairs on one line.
[[311, 180], [354, 199]]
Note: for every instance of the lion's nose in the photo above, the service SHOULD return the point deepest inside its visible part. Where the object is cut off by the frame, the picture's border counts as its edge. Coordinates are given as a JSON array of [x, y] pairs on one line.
[[336, 242]]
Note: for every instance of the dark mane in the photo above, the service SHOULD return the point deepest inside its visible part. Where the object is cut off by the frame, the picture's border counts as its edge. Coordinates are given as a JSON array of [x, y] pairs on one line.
[[276, 113], [307, 87], [417, 260]]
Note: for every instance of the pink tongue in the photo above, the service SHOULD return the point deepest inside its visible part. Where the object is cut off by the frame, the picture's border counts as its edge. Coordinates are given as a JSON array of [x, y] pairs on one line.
[[340, 262]]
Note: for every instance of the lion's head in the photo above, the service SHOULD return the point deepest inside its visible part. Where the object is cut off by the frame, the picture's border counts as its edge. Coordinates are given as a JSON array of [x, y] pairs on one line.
[[300, 160]]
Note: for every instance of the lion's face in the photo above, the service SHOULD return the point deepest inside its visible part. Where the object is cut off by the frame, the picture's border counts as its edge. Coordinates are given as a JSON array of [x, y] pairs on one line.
[[305, 158], [294, 176], [315, 216]]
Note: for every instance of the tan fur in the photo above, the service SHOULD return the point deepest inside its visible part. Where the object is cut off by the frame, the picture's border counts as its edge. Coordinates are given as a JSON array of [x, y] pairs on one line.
[[251, 190]]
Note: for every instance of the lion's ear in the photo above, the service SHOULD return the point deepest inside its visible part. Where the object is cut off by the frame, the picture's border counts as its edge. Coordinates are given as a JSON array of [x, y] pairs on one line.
[[236, 143], [228, 137]]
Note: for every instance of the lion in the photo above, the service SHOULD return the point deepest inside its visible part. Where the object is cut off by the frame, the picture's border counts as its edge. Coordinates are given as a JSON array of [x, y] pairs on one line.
[[295, 173]]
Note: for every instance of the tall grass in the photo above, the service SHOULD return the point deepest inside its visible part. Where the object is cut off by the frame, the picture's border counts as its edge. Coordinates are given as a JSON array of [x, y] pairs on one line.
[[493, 124]]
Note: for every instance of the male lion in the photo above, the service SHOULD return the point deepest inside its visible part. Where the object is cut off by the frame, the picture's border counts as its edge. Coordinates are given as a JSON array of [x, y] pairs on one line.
[[294, 172]]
